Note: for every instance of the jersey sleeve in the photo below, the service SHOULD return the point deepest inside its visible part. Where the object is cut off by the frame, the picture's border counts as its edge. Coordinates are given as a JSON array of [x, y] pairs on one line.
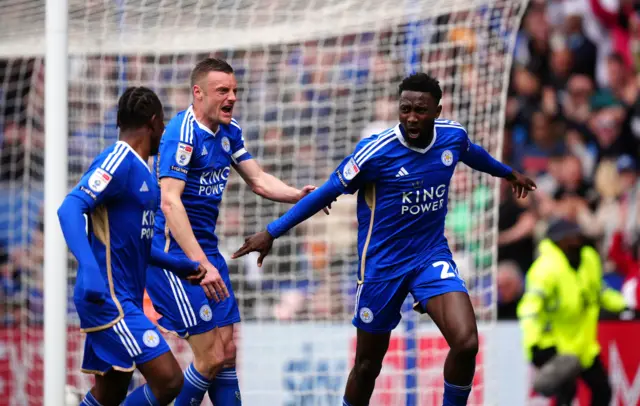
[[479, 159], [238, 151], [106, 178], [176, 148], [350, 175]]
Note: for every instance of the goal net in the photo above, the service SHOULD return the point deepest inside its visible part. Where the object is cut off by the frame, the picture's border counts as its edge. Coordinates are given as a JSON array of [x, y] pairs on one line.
[[314, 77]]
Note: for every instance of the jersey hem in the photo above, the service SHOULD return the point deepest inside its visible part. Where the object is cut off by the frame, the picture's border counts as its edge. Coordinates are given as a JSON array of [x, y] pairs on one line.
[[114, 367], [104, 326]]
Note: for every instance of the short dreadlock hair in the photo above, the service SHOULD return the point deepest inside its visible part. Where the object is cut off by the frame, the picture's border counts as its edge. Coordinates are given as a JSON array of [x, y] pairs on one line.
[[136, 107]]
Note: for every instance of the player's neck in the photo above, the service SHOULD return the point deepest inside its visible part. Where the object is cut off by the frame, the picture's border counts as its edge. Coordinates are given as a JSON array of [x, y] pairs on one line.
[[139, 143], [201, 118]]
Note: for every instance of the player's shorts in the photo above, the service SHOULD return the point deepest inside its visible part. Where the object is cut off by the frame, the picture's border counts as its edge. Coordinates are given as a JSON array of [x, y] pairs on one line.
[[184, 307], [379, 303], [132, 341]]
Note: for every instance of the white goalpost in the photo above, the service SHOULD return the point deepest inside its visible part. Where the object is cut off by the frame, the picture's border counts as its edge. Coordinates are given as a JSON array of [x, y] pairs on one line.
[[55, 185], [314, 77]]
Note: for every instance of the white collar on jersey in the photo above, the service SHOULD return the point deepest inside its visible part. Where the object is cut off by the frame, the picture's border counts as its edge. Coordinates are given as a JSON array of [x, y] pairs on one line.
[[202, 126], [133, 151], [404, 142]]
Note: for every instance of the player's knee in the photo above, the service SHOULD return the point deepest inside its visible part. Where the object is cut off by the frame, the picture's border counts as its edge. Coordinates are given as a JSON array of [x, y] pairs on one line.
[[229, 354], [110, 396], [174, 385], [466, 344], [367, 369], [210, 365]]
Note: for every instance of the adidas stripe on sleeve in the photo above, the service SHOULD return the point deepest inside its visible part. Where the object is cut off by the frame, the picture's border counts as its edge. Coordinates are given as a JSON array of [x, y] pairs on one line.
[[105, 177], [177, 147], [352, 171]]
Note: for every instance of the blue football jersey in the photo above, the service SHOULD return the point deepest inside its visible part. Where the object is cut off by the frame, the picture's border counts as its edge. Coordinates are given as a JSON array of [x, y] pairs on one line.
[[191, 152], [120, 190], [402, 199]]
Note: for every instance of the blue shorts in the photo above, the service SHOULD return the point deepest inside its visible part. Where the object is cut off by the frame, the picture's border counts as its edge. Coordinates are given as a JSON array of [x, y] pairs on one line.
[[133, 340], [184, 307], [379, 303]]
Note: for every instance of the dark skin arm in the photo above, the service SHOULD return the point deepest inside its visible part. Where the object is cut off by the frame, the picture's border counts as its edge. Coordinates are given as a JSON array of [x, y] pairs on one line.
[[263, 241]]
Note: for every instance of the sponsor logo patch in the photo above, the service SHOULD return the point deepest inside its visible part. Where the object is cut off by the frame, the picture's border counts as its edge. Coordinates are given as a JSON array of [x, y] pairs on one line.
[[99, 180], [350, 170], [183, 154]]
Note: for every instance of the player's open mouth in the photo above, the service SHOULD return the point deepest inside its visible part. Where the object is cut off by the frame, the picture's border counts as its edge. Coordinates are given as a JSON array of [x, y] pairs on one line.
[[413, 133], [227, 109]]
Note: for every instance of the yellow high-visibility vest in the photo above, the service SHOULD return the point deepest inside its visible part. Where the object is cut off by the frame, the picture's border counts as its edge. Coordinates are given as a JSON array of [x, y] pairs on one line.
[[561, 305]]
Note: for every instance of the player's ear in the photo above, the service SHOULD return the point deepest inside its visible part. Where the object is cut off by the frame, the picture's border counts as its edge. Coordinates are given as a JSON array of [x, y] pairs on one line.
[[438, 110], [197, 92]]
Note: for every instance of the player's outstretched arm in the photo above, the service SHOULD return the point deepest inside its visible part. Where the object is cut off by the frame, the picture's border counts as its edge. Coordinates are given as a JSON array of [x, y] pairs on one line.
[[268, 186], [72, 221], [479, 159], [305, 208], [183, 267]]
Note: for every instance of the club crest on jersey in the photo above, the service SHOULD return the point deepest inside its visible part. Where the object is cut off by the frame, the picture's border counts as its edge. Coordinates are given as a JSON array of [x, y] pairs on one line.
[[350, 170], [447, 157], [183, 154], [205, 313], [226, 144], [99, 180], [366, 315], [151, 339]]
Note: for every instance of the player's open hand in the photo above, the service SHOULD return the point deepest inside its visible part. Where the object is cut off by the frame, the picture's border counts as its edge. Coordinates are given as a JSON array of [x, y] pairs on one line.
[[198, 274], [212, 283], [260, 242], [520, 184], [308, 189]]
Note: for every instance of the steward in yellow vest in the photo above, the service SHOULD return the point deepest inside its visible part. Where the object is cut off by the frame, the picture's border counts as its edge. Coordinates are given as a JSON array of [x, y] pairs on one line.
[[559, 313]]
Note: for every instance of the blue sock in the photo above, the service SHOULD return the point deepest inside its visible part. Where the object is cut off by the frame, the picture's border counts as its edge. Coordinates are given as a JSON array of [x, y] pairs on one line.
[[455, 395], [142, 396], [345, 403], [89, 400], [194, 387], [225, 390]]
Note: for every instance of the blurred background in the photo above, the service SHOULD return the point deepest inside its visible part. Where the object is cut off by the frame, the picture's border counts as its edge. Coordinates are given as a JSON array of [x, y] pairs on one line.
[[571, 121]]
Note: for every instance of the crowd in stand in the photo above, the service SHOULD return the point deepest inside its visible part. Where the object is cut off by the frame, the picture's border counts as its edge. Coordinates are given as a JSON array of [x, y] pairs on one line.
[[573, 121]]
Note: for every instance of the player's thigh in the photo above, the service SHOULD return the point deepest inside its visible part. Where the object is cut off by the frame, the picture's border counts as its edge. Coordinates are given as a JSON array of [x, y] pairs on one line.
[[438, 277], [111, 388], [162, 372], [226, 312], [371, 347], [207, 348], [184, 307], [453, 313], [378, 305], [225, 335]]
